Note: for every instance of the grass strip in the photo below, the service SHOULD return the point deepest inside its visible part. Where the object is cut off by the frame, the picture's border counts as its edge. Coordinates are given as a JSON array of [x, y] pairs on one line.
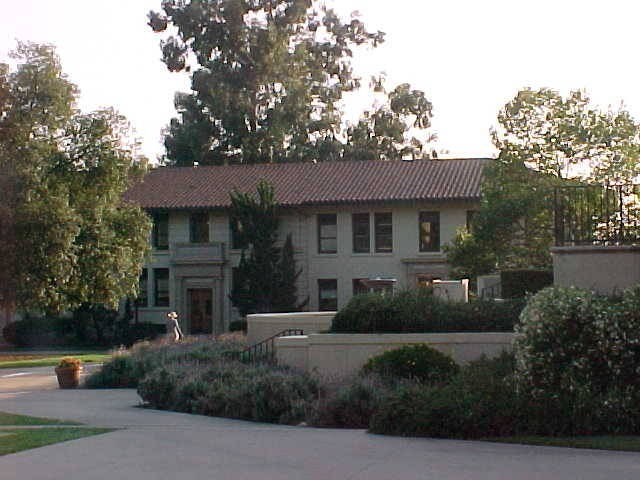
[[16, 440], [625, 443], [13, 419], [51, 360]]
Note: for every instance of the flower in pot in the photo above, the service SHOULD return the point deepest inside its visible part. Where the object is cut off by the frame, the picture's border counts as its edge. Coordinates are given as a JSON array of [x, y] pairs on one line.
[[68, 372]]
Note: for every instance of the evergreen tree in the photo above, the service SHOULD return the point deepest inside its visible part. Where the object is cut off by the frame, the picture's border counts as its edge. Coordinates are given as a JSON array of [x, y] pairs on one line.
[[265, 280]]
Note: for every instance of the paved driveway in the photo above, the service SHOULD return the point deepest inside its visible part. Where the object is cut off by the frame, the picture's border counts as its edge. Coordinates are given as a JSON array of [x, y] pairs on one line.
[[163, 445]]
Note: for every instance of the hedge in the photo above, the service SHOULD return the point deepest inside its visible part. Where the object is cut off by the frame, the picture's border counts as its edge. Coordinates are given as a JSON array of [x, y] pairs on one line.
[[519, 283], [417, 311]]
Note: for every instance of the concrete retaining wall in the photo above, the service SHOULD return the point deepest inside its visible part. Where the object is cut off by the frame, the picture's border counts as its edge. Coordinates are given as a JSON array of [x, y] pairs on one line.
[[264, 325], [343, 354], [603, 269]]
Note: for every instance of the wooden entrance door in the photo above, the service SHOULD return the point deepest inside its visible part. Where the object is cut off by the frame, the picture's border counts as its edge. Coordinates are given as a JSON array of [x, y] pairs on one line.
[[200, 311]]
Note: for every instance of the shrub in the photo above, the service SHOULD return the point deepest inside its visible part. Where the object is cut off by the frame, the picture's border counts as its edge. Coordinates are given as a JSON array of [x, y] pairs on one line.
[[348, 403], [137, 332], [519, 283], [578, 354], [32, 332], [230, 389], [420, 363], [127, 367], [480, 401], [418, 311], [238, 326]]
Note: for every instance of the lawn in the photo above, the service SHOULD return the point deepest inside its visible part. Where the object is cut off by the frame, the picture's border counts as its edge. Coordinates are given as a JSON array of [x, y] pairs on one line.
[[12, 419], [17, 439], [27, 360], [606, 442]]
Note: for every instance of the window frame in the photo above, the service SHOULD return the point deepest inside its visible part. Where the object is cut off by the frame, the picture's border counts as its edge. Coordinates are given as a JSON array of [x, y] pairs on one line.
[[234, 232], [160, 218], [197, 228], [379, 218], [357, 219], [156, 290], [322, 301], [358, 288], [323, 217], [142, 301], [434, 244]]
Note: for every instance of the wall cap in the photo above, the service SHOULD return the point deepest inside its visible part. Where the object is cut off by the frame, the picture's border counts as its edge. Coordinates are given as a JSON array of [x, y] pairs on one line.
[[595, 249]]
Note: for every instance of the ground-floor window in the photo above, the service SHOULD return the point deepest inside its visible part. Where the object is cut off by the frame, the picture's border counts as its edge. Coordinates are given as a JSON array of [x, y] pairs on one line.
[[327, 295], [143, 289], [161, 284], [359, 286]]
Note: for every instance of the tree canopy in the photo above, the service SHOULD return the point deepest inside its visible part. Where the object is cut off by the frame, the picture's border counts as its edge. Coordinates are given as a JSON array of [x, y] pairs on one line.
[[545, 140], [269, 79], [66, 238]]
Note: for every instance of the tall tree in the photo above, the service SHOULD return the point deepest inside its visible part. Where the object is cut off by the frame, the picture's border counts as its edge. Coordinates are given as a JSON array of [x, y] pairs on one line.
[[70, 240], [545, 140], [270, 75], [265, 281]]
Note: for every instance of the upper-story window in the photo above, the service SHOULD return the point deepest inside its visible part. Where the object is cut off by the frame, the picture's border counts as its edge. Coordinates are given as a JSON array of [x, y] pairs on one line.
[[429, 231], [361, 233], [471, 216], [160, 235], [327, 233], [384, 232], [199, 227], [238, 240]]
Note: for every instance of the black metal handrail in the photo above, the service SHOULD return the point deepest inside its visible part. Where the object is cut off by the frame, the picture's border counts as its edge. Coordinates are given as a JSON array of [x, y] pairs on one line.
[[597, 215], [264, 351]]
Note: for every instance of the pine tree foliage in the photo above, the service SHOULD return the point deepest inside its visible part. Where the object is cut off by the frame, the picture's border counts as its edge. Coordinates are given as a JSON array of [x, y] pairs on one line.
[[265, 280]]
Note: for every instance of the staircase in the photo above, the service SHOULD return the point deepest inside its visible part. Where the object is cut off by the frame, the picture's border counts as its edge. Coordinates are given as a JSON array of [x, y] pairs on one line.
[[264, 351]]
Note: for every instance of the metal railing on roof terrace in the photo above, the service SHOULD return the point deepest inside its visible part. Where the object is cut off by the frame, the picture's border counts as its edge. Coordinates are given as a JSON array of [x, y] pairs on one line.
[[599, 215]]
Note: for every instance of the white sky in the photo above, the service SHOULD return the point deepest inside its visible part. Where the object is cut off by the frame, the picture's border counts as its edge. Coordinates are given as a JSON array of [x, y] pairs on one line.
[[469, 56]]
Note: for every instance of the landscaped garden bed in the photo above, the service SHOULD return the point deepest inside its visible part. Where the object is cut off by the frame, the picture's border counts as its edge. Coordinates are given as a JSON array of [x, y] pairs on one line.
[[572, 375]]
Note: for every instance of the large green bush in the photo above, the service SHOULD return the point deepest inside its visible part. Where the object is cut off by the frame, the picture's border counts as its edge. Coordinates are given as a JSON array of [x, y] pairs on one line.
[[479, 402], [420, 363], [418, 311], [349, 403], [579, 355], [519, 283], [34, 332]]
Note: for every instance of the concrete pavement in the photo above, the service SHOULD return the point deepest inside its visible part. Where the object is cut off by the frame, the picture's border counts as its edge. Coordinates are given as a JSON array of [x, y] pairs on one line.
[[165, 445]]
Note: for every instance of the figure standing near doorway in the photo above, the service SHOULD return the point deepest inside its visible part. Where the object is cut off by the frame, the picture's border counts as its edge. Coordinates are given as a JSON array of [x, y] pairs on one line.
[[174, 333]]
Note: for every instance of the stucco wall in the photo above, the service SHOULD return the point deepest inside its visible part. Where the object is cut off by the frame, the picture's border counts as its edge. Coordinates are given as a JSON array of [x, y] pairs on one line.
[[264, 325], [346, 265], [405, 263], [603, 269], [344, 354]]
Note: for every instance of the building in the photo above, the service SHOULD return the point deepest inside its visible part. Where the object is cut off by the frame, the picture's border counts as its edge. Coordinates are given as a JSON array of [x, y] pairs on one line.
[[349, 221]]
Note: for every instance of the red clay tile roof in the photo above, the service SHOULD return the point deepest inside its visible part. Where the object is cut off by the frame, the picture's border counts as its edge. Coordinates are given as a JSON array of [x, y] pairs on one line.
[[298, 184]]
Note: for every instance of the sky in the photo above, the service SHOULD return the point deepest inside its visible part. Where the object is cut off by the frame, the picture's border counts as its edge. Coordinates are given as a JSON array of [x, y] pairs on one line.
[[469, 57]]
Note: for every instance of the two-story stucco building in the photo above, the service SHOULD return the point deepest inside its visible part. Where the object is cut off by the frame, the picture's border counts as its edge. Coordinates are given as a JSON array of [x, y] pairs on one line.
[[349, 221]]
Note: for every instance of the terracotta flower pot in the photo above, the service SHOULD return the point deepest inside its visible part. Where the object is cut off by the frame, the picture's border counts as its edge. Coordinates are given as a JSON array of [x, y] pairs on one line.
[[68, 377]]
